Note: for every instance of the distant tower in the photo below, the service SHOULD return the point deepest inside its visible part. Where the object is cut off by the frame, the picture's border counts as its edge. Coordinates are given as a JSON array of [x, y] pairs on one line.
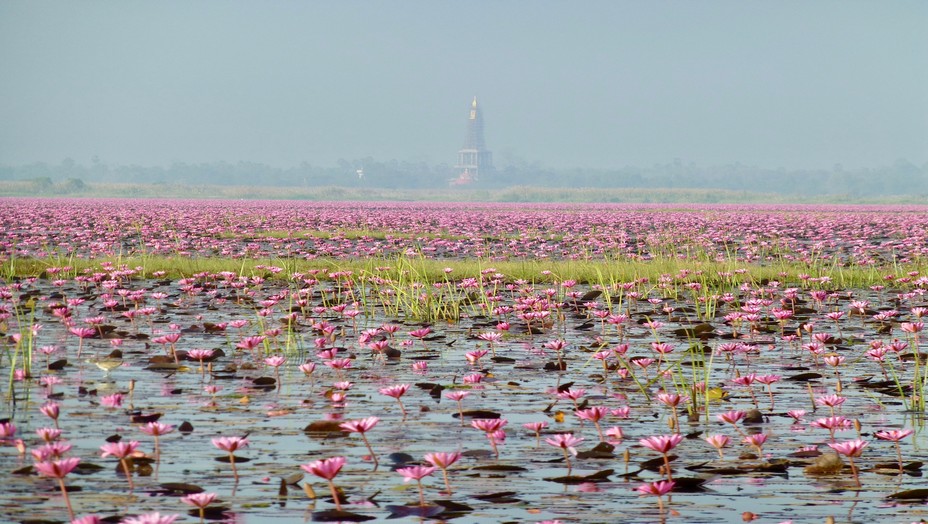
[[473, 159]]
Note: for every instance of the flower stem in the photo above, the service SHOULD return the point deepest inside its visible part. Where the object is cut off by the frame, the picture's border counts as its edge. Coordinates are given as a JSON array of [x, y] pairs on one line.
[[421, 493], [444, 473], [67, 500], [338, 504], [234, 469], [128, 472], [370, 450]]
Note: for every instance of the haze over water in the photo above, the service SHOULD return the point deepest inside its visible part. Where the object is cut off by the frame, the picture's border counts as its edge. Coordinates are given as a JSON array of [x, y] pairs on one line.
[[601, 84]]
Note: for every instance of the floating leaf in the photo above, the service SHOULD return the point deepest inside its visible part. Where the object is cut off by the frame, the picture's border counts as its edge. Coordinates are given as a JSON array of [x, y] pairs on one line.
[[227, 460], [498, 467], [603, 450], [599, 476], [334, 515], [324, 429], [185, 428], [58, 365], [804, 377], [479, 413], [910, 494], [145, 419], [497, 497], [398, 512], [180, 488]]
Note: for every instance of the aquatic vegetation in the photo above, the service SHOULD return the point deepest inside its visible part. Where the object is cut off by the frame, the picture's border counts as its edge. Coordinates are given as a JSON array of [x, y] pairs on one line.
[[785, 328]]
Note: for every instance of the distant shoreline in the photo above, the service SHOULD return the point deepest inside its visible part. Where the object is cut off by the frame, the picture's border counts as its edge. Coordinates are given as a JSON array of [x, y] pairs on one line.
[[509, 194]]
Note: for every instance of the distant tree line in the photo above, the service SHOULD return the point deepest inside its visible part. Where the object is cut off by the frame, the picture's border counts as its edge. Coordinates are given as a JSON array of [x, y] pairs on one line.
[[900, 178]]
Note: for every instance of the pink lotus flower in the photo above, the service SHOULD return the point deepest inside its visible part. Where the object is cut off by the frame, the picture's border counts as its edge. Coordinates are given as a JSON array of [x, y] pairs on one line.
[[443, 461], [121, 450], [894, 436], [663, 444], [396, 392], [493, 427], [111, 401], [567, 442], [46, 434], [327, 469], [757, 441], [156, 429], [850, 449], [536, 427], [151, 518], [200, 501], [718, 442], [593, 414], [230, 445], [417, 473], [657, 489], [832, 424], [362, 426], [615, 434]]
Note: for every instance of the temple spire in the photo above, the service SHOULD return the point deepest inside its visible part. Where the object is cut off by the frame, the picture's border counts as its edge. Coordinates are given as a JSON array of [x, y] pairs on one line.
[[473, 159]]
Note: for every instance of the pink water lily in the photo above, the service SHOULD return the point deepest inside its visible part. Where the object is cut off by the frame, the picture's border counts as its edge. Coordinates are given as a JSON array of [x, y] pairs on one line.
[[362, 426], [567, 442], [327, 469], [443, 460]]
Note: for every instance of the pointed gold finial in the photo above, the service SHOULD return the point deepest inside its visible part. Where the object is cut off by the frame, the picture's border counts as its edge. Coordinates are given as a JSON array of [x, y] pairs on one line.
[[474, 104]]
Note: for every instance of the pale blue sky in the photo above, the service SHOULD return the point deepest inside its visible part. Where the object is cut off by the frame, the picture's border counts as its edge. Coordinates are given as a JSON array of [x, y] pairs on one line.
[[604, 83]]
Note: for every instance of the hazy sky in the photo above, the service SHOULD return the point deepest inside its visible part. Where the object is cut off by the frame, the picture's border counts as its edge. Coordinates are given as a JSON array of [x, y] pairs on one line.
[[603, 83]]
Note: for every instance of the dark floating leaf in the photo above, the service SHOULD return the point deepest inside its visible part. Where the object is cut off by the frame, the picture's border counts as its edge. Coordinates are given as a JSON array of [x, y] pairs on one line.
[[826, 464], [264, 383], [500, 496], [398, 512], [167, 366], [804, 377], [810, 453], [599, 476], [603, 450], [477, 453], [87, 468], [503, 360], [324, 429], [238, 459], [401, 459], [180, 488], [753, 416], [25, 470], [434, 390], [58, 365], [478, 413], [656, 464], [498, 467], [590, 296], [145, 419], [212, 512], [689, 484], [185, 428], [334, 515], [113, 438], [555, 366], [455, 507], [910, 494]]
